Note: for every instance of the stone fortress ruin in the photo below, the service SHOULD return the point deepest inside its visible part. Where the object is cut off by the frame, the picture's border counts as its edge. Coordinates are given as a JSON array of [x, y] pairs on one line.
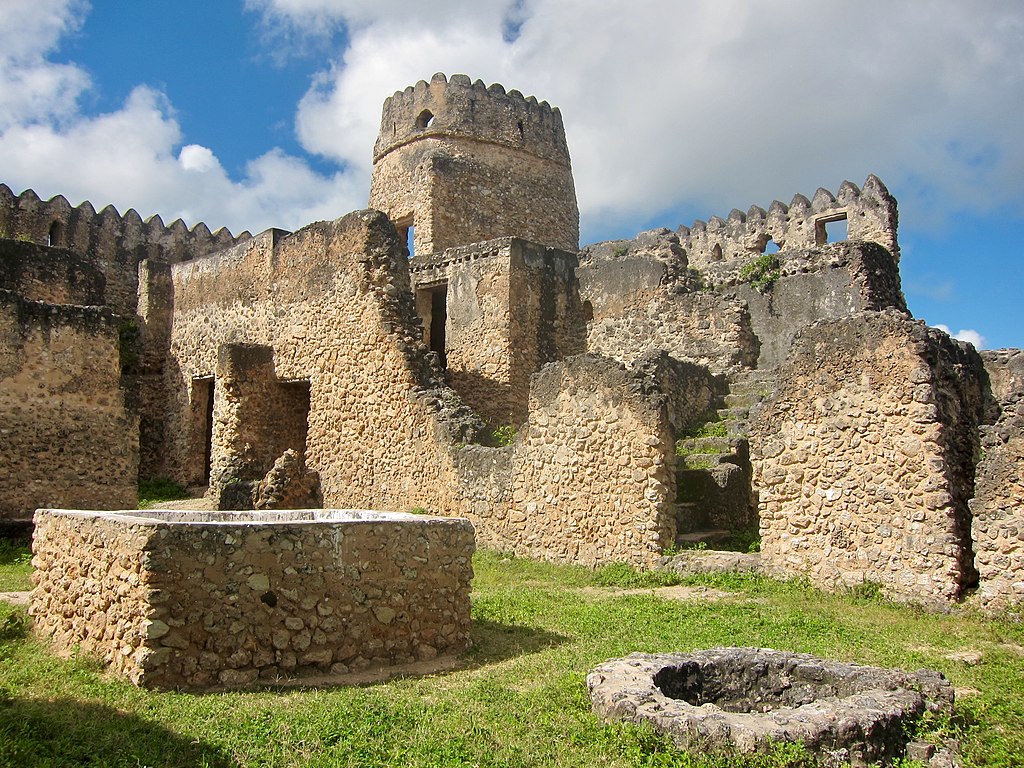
[[756, 375]]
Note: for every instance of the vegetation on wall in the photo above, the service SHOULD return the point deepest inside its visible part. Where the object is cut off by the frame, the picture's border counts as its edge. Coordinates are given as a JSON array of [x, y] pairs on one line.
[[762, 272]]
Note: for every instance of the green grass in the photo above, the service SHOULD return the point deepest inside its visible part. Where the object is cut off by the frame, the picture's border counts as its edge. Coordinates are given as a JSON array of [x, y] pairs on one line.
[[159, 489], [520, 699], [15, 566]]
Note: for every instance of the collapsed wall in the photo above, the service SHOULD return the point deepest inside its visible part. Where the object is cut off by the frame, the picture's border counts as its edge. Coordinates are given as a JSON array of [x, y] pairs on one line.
[[864, 457], [640, 296]]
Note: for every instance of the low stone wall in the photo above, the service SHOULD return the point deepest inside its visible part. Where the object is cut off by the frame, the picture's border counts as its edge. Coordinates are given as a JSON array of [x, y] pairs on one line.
[[998, 508], [66, 434], [201, 600], [863, 458]]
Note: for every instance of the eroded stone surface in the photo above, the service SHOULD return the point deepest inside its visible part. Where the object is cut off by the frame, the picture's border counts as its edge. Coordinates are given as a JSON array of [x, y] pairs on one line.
[[205, 599], [746, 698]]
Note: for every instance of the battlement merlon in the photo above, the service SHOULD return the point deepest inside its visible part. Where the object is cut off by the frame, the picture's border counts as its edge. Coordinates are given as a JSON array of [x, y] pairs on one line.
[[870, 214], [459, 107]]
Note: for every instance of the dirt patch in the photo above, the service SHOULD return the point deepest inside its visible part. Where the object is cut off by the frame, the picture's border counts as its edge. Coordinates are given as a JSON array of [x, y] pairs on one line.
[[679, 592], [15, 598]]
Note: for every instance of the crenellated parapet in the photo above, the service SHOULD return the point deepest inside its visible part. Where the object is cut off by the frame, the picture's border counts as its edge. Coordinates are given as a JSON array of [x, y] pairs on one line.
[[115, 243], [722, 247], [467, 109], [458, 162]]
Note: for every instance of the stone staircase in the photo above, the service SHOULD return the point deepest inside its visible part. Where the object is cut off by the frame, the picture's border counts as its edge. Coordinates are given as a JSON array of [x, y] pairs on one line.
[[713, 501]]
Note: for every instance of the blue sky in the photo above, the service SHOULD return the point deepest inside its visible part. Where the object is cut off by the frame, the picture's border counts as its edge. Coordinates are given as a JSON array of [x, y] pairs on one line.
[[258, 113]]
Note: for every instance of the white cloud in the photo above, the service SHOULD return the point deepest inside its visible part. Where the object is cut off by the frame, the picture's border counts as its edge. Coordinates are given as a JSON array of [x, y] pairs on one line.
[[716, 103], [669, 107], [965, 334]]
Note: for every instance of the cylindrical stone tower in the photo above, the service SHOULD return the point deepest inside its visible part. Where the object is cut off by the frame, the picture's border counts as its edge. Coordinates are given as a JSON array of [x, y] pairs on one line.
[[462, 162]]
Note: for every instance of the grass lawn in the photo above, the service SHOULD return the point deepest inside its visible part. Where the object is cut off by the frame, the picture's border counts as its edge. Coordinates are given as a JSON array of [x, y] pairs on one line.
[[520, 699]]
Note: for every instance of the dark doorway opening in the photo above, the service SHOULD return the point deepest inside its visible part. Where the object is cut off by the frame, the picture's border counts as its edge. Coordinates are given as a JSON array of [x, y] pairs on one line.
[[438, 319], [202, 409]]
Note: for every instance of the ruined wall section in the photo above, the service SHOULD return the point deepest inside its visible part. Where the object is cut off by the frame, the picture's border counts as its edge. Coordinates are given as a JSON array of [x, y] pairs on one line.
[[1005, 369], [592, 476], [463, 162], [511, 307], [69, 439], [720, 248], [837, 280], [113, 243], [863, 458], [639, 297], [334, 303], [998, 508]]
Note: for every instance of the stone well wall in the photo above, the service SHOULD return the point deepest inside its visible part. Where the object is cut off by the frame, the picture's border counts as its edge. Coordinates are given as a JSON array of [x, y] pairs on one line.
[[68, 437], [863, 458], [198, 600]]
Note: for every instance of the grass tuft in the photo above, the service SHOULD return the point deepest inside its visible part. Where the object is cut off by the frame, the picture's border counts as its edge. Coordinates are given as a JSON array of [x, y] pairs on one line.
[[159, 489]]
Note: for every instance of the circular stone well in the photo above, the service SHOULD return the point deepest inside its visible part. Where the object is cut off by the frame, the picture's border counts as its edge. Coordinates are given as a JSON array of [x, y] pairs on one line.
[[747, 698]]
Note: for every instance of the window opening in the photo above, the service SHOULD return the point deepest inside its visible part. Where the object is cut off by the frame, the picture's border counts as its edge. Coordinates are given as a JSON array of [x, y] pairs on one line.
[[432, 307], [716, 253], [407, 232], [831, 229], [426, 117], [770, 246], [55, 236]]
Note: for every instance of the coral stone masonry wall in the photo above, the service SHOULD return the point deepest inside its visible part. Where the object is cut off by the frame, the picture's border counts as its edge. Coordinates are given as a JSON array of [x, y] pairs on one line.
[[463, 163], [198, 600], [998, 508], [510, 307], [863, 458], [68, 437]]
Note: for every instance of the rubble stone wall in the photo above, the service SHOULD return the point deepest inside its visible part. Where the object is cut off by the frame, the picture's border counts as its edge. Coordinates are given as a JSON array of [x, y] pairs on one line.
[[115, 244], [199, 601], [1005, 369], [639, 297], [863, 458], [593, 474], [463, 163], [69, 438], [511, 307], [834, 281], [333, 302], [51, 275], [998, 508]]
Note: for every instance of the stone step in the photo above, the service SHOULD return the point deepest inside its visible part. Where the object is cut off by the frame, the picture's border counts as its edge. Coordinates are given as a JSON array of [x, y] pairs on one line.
[[732, 414], [709, 445], [742, 399], [708, 537]]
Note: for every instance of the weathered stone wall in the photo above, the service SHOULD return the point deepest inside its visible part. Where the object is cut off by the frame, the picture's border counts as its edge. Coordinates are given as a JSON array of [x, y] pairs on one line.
[[998, 508], [333, 302], [112, 243], [463, 163], [835, 281], [640, 297], [593, 475], [68, 437], [863, 457], [199, 601], [51, 275], [511, 307], [1005, 369], [720, 248]]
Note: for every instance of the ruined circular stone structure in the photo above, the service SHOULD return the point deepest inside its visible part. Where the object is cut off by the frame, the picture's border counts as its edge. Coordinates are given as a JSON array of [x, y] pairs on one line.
[[747, 698]]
